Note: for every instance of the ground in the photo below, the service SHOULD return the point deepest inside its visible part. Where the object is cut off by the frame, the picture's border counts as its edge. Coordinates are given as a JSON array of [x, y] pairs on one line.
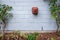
[[40, 36]]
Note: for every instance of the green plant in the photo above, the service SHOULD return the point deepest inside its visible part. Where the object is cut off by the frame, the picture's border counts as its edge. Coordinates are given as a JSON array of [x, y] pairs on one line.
[[5, 15], [32, 36], [55, 12], [52, 38]]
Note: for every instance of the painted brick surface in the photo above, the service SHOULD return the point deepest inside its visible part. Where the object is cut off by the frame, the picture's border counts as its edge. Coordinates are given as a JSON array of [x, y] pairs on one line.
[[23, 19]]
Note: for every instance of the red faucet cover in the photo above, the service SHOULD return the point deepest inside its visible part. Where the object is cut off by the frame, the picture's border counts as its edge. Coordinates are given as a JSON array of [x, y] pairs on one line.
[[35, 10]]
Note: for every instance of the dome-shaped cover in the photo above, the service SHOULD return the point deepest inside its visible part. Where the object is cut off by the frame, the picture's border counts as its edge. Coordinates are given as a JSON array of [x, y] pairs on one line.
[[35, 10]]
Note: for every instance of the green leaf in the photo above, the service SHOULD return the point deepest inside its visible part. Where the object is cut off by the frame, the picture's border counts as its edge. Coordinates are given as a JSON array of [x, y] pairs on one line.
[[30, 37], [9, 8]]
